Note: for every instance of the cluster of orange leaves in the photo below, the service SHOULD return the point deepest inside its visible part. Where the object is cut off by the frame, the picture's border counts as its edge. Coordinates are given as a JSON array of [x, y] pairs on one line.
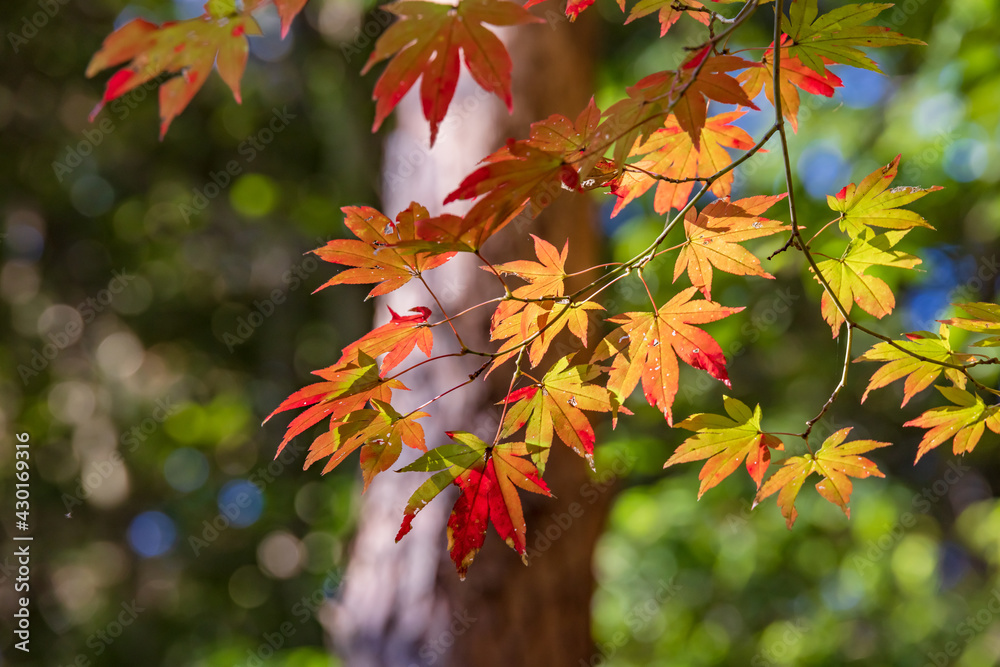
[[659, 135]]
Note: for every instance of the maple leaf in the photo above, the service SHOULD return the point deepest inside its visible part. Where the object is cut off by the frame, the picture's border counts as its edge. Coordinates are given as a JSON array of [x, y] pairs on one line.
[[380, 433], [491, 496], [573, 7], [451, 460], [425, 43], [870, 204], [848, 280], [540, 322], [671, 10], [985, 319], [558, 134], [713, 235], [520, 320], [646, 347], [818, 39], [919, 374], [517, 176], [347, 388], [554, 406], [383, 252], [395, 340], [487, 477], [793, 77], [544, 277], [836, 462], [726, 442], [670, 153], [685, 92], [668, 13], [964, 421], [187, 49], [287, 11]]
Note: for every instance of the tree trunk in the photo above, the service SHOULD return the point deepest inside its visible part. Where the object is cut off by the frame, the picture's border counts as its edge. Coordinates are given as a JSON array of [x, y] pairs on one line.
[[402, 604]]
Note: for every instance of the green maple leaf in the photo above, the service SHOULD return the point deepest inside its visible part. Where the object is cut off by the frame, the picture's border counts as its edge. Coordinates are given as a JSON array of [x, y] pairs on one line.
[[871, 204], [985, 318], [838, 34], [851, 284]]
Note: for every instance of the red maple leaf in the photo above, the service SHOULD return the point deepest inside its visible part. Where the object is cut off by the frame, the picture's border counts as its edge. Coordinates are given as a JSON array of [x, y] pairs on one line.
[[646, 347], [426, 43], [187, 50]]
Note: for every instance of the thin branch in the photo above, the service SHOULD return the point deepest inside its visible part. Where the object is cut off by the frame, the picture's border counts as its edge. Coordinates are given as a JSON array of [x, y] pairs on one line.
[[427, 361], [836, 390], [467, 310], [495, 272], [447, 319], [472, 378]]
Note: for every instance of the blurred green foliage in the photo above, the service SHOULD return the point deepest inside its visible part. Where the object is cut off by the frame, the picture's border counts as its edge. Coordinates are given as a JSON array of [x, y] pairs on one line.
[[159, 308]]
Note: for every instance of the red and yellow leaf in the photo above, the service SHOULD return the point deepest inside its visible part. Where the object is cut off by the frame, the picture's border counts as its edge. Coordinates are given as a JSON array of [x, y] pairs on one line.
[[555, 406], [919, 374], [965, 421], [347, 388], [490, 496], [185, 50], [488, 478], [383, 253], [836, 462], [670, 154], [794, 76], [646, 347], [395, 340], [453, 460], [685, 92], [985, 319], [517, 176], [713, 237], [425, 44], [726, 442]]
